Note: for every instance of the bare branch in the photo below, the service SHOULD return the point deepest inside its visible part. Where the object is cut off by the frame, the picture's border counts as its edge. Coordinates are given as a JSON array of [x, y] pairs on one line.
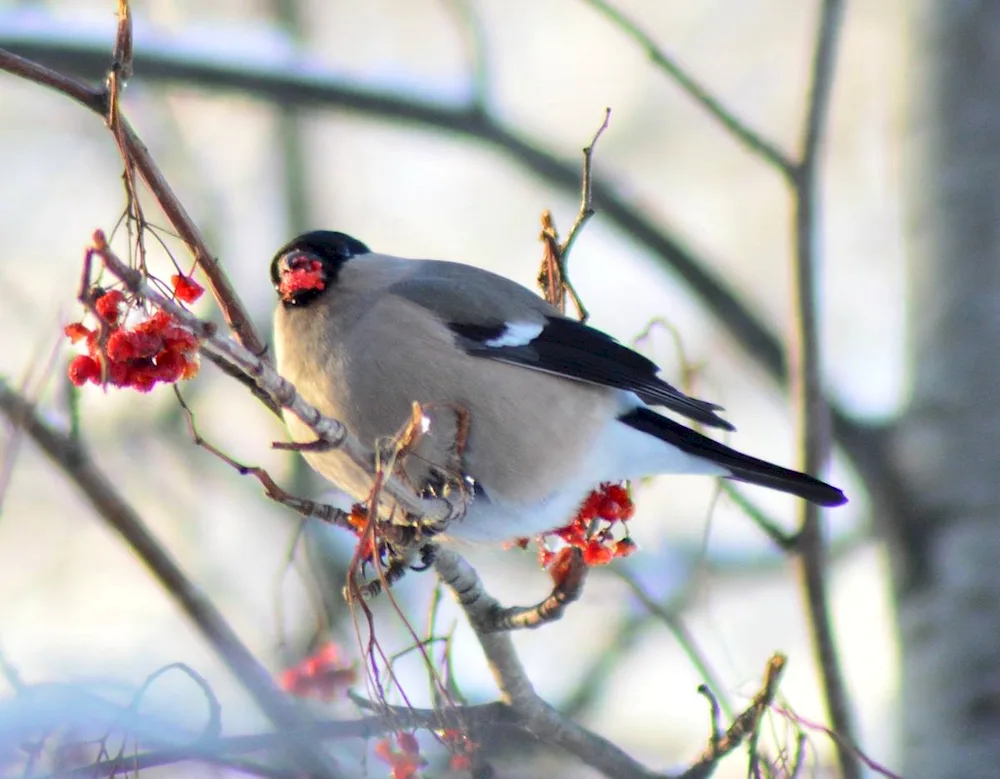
[[223, 750], [516, 689], [744, 727], [586, 191], [307, 508], [476, 44], [75, 463], [812, 410], [554, 276], [750, 138], [680, 631], [771, 528], [491, 617], [121, 65]]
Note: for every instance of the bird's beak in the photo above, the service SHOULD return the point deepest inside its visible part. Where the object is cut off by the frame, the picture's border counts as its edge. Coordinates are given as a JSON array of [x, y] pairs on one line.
[[300, 276]]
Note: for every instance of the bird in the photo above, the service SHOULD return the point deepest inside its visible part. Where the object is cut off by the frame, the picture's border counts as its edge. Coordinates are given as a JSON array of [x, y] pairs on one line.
[[525, 409]]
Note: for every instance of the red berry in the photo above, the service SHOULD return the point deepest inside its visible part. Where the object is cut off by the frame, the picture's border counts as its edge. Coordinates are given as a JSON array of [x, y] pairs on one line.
[[288, 680], [588, 509], [408, 743], [597, 553], [190, 369], [109, 304], [169, 367], [156, 324], [617, 493], [178, 338], [120, 373], [84, 368], [75, 331], [186, 288], [143, 379], [383, 750], [121, 346]]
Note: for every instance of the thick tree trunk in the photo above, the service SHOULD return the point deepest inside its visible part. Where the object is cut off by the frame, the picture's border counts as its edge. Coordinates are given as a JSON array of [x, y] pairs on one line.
[[947, 576]]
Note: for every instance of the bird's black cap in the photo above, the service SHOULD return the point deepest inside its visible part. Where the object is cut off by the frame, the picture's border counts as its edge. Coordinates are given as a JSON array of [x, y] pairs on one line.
[[330, 248]]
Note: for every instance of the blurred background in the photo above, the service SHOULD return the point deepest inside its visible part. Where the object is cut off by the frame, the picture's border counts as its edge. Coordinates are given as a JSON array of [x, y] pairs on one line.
[[76, 606]]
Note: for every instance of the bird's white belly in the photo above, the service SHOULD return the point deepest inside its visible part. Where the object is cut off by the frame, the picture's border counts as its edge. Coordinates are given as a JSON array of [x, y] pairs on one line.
[[619, 453]]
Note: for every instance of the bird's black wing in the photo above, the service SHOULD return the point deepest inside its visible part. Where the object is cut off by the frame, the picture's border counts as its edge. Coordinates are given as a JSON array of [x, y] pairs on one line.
[[741, 467], [569, 348]]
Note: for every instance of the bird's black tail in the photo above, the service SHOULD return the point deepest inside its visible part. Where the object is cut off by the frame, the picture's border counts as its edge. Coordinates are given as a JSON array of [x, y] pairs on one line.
[[741, 467]]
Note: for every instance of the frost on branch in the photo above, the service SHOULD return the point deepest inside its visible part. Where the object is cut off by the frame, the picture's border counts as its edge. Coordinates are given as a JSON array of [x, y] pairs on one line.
[[138, 355]]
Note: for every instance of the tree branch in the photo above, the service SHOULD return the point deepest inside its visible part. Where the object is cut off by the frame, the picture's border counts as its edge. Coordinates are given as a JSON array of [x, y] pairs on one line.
[[75, 462], [749, 137], [515, 687], [812, 410], [222, 750]]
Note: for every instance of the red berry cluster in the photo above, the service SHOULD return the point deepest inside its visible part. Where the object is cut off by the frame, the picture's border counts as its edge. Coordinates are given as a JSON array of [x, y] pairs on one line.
[[158, 350], [462, 749], [406, 761], [593, 530], [322, 675]]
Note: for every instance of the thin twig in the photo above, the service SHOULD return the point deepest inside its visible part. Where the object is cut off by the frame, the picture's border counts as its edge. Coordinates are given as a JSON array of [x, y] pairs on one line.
[[812, 411], [739, 129], [586, 191], [213, 725], [758, 516], [234, 372], [554, 275], [307, 508], [715, 737], [745, 726], [684, 638], [476, 45], [837, 738], [76, 464]]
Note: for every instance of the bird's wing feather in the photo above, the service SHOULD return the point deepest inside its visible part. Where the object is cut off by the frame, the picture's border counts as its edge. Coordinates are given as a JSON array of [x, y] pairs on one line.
[[504, 321], [569, 348], [741, 467]]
